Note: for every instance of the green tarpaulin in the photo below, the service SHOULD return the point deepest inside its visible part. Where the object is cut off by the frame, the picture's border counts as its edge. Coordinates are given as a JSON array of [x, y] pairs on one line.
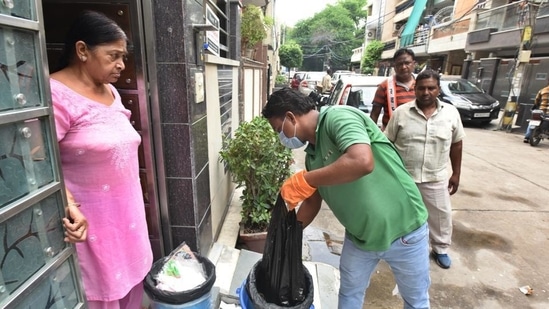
[[407, 36]]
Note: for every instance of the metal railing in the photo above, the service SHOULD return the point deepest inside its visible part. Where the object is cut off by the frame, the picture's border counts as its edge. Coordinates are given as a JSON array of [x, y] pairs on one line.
[[421, 36], [506, 17], [543, 9]]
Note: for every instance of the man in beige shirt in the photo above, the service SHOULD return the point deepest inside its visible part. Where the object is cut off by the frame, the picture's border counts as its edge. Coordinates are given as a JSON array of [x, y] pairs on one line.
[[327, 81], [427, 133]]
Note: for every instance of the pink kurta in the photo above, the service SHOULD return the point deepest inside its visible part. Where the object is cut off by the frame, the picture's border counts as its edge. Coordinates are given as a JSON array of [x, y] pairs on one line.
[[99, 160]]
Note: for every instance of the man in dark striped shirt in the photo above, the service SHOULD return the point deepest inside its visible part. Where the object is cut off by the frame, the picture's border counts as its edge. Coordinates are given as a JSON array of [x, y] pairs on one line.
[[397, 89]]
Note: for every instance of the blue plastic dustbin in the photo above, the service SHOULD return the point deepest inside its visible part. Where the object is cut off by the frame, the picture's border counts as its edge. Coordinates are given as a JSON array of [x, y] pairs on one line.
[[204, 302], [244, 298]]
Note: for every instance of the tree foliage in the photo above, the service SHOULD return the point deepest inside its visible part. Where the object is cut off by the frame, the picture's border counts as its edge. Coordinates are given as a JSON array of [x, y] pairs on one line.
[[290, 55], [253, 26], [328, 38], [372, 54], [357, 14]]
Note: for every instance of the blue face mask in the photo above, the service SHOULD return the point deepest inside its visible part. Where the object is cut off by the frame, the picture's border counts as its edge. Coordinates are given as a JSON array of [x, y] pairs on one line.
[[290, 142]]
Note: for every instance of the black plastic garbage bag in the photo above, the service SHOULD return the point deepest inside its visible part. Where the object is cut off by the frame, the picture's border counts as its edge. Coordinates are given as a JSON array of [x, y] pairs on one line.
[[178, 298], [257, 297], [279, 279]]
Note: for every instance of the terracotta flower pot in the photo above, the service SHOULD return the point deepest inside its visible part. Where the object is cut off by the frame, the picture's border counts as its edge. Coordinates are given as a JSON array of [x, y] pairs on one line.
[[252, 241]]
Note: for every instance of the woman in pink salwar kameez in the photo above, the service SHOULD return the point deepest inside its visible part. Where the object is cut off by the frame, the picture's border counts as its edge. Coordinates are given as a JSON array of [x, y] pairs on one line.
[[98, 147]]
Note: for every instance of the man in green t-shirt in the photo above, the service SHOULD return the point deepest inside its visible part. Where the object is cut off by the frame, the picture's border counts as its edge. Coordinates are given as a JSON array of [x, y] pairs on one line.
[[352, 166]]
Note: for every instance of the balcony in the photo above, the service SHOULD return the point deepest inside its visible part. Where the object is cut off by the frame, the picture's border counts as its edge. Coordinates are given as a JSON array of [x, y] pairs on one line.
[[357, 55], [499, 29], [403, 10], [390, 45], [449, 37], [403, 5], [506, 17], [420, 36]]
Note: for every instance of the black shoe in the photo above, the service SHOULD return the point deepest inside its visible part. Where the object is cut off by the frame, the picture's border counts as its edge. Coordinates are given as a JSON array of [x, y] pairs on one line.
[[526, 140]]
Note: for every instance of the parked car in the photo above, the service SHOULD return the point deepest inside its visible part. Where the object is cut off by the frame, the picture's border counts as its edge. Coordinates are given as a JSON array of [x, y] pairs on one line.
[[357, 91], [309, 81], [296, 79], [340, 73], [473, 104]]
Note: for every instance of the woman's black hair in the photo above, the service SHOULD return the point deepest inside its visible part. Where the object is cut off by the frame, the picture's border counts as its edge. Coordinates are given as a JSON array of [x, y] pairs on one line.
[[94, 29], [429, 73], [287, 100]]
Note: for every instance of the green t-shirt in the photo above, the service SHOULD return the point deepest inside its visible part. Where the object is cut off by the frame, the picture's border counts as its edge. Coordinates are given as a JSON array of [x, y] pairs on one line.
[[375, 209]]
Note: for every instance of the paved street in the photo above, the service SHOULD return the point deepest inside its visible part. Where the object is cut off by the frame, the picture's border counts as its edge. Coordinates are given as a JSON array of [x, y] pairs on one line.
[[501, 229]]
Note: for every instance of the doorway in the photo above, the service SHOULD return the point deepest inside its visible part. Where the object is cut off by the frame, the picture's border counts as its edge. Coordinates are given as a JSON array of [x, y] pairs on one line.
[[58, 15]]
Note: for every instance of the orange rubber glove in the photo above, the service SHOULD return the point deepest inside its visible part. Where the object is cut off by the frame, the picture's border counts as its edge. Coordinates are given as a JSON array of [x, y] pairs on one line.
[[296, 189]]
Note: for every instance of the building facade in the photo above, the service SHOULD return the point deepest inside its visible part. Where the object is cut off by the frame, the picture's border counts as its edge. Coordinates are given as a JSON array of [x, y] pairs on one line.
[[508, 45], [483, 41]]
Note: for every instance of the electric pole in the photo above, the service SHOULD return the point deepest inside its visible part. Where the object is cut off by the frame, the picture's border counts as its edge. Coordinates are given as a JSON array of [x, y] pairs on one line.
[[506, 122]]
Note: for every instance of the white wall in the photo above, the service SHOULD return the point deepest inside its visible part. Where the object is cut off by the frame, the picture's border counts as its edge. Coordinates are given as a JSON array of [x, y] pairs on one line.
[[221, 186]]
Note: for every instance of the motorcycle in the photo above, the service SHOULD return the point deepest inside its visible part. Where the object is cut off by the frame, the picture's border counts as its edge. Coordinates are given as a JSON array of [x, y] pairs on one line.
[[320, 99], [539, 125]]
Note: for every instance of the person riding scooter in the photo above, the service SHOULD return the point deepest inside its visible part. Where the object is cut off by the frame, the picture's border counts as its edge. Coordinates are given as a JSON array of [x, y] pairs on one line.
[[296, 80], [542, 103]]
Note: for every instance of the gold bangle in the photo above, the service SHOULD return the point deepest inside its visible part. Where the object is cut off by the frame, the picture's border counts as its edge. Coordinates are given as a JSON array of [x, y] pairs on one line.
[[73, 204]]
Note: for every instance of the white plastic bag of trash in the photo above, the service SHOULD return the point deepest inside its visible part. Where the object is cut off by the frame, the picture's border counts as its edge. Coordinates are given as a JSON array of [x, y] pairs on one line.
[[526, 290], [181, 272]]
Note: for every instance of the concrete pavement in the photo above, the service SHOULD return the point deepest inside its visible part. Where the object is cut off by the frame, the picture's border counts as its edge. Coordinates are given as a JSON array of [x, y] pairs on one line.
[[501, 230]]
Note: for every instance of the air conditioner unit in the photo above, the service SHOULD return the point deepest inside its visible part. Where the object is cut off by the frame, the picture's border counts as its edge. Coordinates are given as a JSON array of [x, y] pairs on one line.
[[370, 34], [396, 27]]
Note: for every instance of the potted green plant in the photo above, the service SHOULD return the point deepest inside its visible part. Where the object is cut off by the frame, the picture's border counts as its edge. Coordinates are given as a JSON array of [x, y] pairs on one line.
[[258, 163], [253, 27]]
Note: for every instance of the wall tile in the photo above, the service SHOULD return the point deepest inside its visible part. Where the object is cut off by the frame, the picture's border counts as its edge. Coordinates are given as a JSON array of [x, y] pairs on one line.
[[202, 185], [169, 29], [177, 154], [184, 234], [173, 93], [181, 201], [205, 237], [199, 134]]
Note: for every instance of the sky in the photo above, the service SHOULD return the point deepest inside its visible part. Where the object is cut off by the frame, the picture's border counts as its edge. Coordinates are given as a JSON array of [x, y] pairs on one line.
[[289, 12]]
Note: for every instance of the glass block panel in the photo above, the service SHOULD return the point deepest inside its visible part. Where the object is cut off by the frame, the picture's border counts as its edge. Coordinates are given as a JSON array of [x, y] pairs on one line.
[[19, 82], [59, 290], [29, 239], [25, 159], [18, 8]]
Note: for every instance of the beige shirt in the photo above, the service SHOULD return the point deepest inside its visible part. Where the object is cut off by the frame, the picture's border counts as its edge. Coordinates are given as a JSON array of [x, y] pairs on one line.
[[326, 83], [424, 144]]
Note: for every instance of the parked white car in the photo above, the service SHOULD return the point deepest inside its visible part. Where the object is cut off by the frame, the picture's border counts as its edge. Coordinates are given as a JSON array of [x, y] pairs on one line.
[[309, 81], [340, 73], [357, 91]]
